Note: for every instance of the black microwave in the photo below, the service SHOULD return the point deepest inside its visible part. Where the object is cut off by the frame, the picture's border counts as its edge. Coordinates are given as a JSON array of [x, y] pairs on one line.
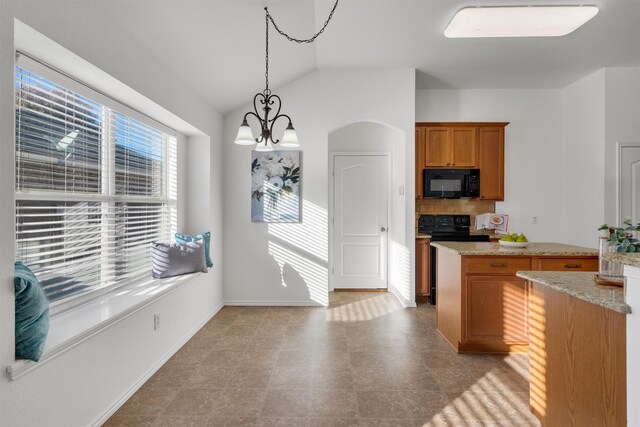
[[451, 183]]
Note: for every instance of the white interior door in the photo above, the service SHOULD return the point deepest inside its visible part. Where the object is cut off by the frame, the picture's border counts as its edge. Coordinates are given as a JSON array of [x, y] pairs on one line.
[[360, 217], [629, 158]]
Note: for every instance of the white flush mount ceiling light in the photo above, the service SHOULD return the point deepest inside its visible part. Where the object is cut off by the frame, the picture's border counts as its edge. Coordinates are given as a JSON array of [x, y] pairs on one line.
[[518, 21]]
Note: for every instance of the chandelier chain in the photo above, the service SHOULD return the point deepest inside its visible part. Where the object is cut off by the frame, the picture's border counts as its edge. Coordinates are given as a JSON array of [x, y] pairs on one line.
[[309, 40], [268, 18], [266, 57]]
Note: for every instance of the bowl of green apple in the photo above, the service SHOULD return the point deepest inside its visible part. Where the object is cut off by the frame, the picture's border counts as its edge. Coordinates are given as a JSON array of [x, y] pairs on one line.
[[514, 240]]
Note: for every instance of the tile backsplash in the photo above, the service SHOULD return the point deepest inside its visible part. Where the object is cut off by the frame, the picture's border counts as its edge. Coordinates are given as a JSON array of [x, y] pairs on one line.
[[470, 207]]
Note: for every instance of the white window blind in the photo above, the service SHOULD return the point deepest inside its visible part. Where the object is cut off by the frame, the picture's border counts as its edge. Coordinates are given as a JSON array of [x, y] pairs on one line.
[[94, 187]]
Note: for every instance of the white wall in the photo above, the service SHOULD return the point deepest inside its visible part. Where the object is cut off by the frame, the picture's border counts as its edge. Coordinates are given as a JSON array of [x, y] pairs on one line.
[[83, 384], [318, 103], [583, 110], [599, 111], [533, 149], [622, 124], [363, 137]]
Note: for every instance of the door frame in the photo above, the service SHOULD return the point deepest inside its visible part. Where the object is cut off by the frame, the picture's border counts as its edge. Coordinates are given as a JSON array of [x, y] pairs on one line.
[[619, 147], [331, 204]]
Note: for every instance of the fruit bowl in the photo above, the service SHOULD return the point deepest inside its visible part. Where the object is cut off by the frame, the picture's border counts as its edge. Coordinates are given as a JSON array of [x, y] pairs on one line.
[[513, 244]]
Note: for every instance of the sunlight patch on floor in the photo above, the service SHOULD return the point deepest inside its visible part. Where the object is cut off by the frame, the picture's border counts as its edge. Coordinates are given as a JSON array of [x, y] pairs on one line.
[[489, 399], [362, 310]]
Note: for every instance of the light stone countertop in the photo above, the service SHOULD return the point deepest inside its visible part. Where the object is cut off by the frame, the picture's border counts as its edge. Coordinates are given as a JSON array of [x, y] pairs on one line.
[[632, 259], [534, 249], [580, 285]]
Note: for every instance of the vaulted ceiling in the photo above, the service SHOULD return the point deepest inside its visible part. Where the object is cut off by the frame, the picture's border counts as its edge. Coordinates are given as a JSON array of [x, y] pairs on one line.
[[217, 46]]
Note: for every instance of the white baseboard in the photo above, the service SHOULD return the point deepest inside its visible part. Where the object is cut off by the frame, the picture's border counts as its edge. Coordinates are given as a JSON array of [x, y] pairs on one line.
[[274, 303], [103, 419], [405, 303]]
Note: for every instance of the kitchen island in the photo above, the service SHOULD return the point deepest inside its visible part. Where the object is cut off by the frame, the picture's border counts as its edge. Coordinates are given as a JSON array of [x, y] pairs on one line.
[[577, 350], [481, 303]]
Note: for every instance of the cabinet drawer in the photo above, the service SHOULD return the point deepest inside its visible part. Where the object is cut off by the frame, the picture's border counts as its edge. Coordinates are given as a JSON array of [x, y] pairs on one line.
[[568, 264], [497, 265]]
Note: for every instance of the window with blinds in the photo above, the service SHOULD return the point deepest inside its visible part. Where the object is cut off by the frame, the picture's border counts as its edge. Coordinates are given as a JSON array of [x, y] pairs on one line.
[[94, 187]]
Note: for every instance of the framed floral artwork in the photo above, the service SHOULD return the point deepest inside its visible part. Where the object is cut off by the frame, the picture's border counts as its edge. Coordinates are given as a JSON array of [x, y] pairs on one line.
[[275, 186]]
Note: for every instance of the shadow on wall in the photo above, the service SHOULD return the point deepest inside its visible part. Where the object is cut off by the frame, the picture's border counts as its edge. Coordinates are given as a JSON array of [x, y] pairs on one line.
[[300, 250]]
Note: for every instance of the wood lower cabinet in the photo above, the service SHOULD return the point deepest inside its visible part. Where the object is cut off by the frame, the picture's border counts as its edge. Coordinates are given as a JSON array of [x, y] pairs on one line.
[[567, 264], [482, 306], [422, 270], [496, 308], [577, 361], [496, 265], [420, 159]]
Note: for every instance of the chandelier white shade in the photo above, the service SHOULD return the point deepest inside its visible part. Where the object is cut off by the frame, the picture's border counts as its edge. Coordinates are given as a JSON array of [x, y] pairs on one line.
[[245, 136], [265, 145], [290, 138]]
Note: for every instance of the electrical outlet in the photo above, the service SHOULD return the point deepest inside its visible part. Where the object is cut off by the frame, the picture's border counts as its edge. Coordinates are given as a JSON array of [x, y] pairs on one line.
[[534, 220], [156, 321], [401, 190]]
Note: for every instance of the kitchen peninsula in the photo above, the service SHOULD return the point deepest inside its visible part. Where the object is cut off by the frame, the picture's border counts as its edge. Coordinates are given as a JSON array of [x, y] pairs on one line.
[[577, 350], [482, 304]]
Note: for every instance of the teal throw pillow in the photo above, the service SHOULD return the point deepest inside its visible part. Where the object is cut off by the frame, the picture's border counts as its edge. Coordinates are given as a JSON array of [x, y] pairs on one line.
[[185, 238], [32, 314]]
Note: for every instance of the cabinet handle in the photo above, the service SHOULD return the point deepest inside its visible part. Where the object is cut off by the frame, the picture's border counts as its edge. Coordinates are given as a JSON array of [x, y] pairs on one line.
[[501, 265], [573, 266]]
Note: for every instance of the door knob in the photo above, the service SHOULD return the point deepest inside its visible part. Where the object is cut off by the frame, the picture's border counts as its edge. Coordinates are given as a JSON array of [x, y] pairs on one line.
[[383, 229]]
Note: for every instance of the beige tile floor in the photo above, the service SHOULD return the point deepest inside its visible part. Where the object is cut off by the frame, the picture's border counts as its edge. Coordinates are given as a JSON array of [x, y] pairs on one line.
[[363, 361]]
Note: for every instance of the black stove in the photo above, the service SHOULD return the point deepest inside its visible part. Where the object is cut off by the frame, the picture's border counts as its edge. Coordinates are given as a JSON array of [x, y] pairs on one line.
[[445, 228], [444, 224]]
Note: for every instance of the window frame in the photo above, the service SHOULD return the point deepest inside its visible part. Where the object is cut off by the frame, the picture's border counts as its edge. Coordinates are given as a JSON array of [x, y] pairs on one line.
[[107, 194]]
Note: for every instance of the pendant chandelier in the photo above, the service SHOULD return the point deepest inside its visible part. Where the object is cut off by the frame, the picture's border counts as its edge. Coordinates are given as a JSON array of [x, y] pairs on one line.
[[266, 101]]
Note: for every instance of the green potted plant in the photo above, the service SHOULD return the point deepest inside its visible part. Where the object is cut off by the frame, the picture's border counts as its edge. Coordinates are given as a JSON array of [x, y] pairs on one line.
[[620, 240]]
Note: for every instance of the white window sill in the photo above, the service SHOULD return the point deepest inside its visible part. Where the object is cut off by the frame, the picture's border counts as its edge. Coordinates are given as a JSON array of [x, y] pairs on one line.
[[70, 328]]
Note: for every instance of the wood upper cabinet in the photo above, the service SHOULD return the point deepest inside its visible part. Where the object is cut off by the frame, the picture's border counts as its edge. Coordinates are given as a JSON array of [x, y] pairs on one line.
[[420, 159], [447, 146], [492, 162], [422, 269], [463, 145], [437, 147]]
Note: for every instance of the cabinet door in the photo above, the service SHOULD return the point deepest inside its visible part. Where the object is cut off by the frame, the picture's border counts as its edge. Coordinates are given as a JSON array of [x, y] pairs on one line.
[[422, 269], [496, 309], [464, 147], [420, 159], [438, 147], [492, 163]]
